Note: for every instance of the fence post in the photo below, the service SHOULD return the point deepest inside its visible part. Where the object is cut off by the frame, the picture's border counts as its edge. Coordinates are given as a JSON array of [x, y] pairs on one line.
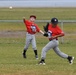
[[62, 39]]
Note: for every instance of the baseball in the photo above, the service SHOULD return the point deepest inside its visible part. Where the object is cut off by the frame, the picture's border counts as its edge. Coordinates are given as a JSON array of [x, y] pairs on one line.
[[10, 7]]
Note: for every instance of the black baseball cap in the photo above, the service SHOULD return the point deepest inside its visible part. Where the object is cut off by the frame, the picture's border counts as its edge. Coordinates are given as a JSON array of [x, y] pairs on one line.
[[54, 21]]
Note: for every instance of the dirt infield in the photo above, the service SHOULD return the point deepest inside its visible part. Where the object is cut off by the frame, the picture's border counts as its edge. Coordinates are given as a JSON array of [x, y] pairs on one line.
[[22, 34], [12, 34]]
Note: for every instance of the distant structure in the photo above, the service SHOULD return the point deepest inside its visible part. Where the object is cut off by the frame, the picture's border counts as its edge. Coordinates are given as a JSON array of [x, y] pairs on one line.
[[38, 3]]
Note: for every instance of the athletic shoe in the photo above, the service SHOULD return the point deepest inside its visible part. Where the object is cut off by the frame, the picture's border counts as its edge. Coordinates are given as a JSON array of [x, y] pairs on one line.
[[36, 56], [24, 55], [71, 59], [41, 63]]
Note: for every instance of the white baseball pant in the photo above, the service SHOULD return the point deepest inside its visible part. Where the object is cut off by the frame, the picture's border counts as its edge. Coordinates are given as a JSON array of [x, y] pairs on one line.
[[30, 38], [54, 45]]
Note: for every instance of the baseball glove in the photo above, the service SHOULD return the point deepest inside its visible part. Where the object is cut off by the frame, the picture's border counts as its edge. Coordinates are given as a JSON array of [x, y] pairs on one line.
[[46, 34], [46, 27]]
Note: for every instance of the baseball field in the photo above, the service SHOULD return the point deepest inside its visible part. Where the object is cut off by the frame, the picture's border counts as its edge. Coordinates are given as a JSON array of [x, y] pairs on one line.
[[12, 41]]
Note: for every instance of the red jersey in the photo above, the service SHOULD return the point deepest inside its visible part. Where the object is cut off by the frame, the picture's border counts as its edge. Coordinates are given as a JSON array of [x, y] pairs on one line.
[[54, 30], [32, 28]]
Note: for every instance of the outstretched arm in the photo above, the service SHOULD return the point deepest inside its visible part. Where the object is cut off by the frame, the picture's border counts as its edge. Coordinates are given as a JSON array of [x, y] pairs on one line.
[[41, 32]]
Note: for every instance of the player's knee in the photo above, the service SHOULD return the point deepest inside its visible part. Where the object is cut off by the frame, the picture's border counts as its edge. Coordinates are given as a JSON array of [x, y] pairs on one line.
[[25, 48], [44, 50], [34, 48]]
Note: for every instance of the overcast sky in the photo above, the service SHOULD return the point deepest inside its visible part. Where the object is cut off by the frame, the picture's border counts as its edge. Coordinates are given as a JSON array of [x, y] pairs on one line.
[[38, 3]]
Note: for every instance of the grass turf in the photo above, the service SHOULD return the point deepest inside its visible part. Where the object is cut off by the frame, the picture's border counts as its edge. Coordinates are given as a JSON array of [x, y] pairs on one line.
[[11, 60]]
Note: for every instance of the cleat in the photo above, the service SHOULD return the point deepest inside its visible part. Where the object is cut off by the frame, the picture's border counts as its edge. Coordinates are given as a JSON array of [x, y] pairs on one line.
[[24, 55], [36, 56], [41, 63], [71, 59]]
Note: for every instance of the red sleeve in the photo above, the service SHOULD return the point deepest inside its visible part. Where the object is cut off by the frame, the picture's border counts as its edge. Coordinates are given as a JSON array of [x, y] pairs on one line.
[[26, 22], [60, 31]]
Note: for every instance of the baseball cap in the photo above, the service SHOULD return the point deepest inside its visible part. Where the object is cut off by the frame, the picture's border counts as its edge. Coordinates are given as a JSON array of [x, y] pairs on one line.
[[33, 16], [54, 20]]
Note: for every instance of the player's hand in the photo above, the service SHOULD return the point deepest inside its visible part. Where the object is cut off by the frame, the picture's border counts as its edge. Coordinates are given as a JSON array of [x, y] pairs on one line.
[[45, 34], [24, 19]]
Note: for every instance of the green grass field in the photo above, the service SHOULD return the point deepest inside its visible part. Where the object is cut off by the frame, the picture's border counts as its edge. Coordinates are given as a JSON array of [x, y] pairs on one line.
[[11, 60]]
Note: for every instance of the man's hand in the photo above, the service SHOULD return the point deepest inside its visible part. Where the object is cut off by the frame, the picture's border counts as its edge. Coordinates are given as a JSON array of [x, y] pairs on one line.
[[24, 19], [45, 34]]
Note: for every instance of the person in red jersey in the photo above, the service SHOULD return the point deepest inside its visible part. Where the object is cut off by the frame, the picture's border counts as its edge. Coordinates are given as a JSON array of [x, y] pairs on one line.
[[31, 29], [53, 32]]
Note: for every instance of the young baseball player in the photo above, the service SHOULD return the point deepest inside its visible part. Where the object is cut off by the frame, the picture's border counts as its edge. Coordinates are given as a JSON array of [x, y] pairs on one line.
[[53, 32], [32, 28]]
